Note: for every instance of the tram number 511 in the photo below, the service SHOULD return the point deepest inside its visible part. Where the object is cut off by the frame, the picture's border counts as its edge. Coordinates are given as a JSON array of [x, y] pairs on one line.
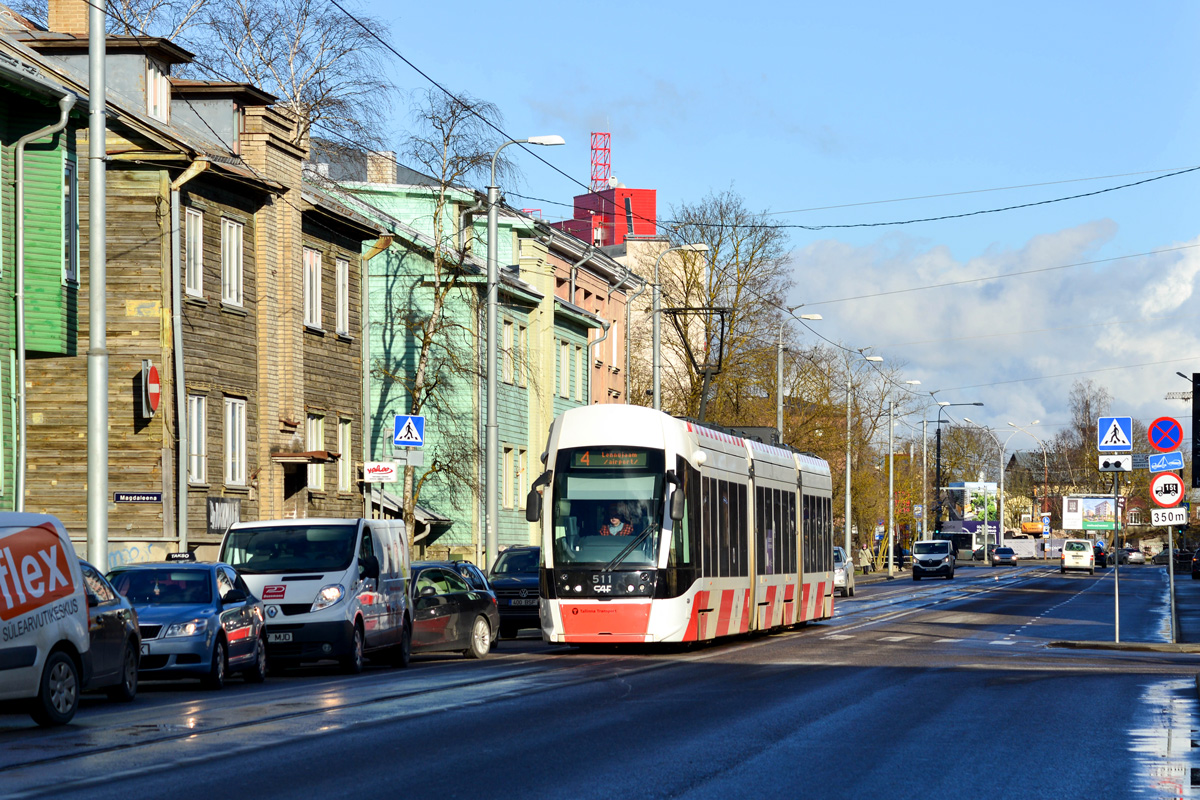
[[602, 583]]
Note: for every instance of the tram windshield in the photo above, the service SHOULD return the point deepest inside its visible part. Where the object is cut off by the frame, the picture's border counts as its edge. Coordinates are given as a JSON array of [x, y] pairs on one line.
[[608, 506]]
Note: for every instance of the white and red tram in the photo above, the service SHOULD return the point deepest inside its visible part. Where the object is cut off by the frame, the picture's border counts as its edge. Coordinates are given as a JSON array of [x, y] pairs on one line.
[[659, 530]]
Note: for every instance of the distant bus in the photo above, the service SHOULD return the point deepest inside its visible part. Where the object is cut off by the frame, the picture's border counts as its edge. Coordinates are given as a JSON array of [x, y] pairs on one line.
[[661, 530]]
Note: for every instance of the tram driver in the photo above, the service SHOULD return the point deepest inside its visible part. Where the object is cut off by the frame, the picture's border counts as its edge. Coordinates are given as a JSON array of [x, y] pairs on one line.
[[617, 523]]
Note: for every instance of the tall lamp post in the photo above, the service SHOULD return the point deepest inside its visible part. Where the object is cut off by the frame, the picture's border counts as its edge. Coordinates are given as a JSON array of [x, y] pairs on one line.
[[656, 339], [891, 484], [779, 376], [491, 496], [943, 405], [849, 394]]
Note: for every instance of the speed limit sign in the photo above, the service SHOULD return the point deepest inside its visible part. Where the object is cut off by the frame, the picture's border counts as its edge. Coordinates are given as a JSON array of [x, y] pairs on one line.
[[1166, 489]]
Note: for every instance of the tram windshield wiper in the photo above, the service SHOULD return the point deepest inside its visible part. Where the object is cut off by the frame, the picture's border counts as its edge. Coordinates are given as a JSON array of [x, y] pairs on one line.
[[627, 549]]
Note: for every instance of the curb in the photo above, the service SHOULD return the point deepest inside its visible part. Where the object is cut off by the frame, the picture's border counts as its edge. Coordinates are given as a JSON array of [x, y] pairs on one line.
[[1145, 647]]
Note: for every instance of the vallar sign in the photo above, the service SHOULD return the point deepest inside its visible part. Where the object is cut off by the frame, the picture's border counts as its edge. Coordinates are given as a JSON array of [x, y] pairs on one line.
[[380, 472]]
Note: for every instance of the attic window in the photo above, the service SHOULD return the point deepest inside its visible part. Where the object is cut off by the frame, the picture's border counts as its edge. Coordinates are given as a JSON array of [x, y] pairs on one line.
[[158, 91]]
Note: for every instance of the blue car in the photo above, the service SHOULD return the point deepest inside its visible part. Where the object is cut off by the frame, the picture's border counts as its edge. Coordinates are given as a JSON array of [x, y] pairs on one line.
[[196, 620]]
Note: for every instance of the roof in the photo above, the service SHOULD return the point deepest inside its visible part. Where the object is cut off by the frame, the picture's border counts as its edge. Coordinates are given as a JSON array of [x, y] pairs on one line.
[[247, 93], [52, 42]]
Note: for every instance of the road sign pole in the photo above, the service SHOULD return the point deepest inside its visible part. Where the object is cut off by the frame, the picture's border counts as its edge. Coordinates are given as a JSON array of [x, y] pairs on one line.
[[1171, 576], [1116, 561]]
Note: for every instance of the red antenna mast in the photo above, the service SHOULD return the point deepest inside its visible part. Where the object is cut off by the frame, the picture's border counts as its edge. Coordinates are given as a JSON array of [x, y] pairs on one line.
[[601, 160]]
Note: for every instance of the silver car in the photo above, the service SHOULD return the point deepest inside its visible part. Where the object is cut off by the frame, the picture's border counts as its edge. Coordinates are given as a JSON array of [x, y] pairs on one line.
[[843, 572]]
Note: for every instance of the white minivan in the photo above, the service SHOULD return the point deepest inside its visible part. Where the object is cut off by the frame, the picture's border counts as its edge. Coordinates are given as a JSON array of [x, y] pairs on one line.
[[1077, 554], [45, 657], [332, 588]]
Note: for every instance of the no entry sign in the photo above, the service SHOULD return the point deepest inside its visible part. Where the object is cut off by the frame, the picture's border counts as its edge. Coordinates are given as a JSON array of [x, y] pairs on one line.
[[151, 388], [1165, 434]]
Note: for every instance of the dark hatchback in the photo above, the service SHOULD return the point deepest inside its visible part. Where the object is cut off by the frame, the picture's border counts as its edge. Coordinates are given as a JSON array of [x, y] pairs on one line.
[[514, 579], [449, 613], [113, 634]]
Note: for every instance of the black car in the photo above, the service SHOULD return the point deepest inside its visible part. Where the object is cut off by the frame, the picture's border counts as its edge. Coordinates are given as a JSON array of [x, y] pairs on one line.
[[1101, 556], [449, 614], [977, 554], [113, 634], [1196, 566], [514, 579]]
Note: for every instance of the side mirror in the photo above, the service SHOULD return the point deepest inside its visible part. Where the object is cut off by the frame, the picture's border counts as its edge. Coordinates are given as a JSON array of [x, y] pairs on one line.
[[533, 500], [678, 498], [233, 596], [428, 591], [368, 567], [93, 600]]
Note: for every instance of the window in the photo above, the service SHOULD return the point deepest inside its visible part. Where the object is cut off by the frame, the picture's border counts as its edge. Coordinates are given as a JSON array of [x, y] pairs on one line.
[[158, 91], [312, 288], [564, 369], [315, 440], [508, 350], [231, 262], [70, 212], [523, 353], [235, 441], [506, 471], [578, 373], [522, 476], [197, 411], [345, 455], [342, 323], [193, 248]]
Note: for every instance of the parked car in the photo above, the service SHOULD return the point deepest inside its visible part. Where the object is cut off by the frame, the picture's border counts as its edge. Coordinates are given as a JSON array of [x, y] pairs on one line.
[[843, 573], [1077, 554], [936, 557], [1196, 566], [115, 641], [448, 614], [1004, 555], [1183, 560], [978, 553], [1160, 558], [1135, 556], [45, 648], [197, 620], [514, 579]]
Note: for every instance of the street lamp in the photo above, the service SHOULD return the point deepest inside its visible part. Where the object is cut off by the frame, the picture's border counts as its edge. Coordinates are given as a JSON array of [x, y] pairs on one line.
[[492, 497], [891, 495], [937, 525], [1000, 504], [849, 394], [656, 343], [779, 376]]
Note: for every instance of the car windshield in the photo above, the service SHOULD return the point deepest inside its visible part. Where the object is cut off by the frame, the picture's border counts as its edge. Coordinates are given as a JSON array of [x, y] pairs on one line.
[[521, 562], [608, 506], [290, 548], [1075, 546], [1004, 551], [164, 587], [930, 548]]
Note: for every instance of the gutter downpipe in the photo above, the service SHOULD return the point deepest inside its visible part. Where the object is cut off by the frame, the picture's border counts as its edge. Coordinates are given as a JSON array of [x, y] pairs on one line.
[[607, 325], [591, 248], [462, 223], [381, 245], [629, 305], [181, 421], [65, 104]]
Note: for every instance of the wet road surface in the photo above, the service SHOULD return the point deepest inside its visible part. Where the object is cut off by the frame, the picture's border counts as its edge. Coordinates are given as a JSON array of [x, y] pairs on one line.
[[930, 689]]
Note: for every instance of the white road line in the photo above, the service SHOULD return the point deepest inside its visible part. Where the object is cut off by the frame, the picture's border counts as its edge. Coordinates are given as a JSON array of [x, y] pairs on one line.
[[838, 636], [895, 638]]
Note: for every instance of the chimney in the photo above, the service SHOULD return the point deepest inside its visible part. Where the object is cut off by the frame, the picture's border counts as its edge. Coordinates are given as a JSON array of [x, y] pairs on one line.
[[68, 16], [381, 167]]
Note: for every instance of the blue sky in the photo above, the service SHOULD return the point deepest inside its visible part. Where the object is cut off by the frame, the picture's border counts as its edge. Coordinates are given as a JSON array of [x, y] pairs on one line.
[[814, 105]]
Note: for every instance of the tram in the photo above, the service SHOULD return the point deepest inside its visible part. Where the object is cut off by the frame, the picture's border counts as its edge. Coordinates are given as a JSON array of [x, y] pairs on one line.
[[656, 529]]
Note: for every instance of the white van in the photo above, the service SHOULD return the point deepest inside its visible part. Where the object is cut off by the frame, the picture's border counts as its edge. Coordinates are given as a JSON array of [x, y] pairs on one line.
[[45, 658], [1077, 554], [333, 588]]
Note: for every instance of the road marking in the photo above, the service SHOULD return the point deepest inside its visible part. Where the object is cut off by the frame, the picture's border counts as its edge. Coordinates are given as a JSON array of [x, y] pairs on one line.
[[838, 636], [938, 641], [1001, 641], [895, 638]]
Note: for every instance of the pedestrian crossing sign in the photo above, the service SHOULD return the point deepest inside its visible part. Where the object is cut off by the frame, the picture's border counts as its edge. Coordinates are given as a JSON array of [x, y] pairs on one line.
[[409, 431], [1114, 434]]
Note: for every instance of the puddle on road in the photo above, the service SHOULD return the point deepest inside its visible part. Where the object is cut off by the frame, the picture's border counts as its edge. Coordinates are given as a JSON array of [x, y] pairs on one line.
[[1163, 752]]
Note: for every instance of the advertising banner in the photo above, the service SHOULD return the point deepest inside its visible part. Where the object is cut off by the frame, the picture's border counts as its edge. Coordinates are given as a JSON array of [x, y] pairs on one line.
[[1088, 513], [977, 498]]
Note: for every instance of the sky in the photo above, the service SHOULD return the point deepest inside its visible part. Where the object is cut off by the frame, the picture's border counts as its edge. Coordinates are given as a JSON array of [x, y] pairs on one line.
[[855, 108]]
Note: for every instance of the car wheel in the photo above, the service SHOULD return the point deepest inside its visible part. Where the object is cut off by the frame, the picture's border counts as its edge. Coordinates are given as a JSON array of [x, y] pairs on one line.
[[481, 639], [402, 653], [353, 663], [126, 690], [1092, 571], [58, 691], [1062, 570], [215, 679], [853, 589], [257, 673], [916, 577]]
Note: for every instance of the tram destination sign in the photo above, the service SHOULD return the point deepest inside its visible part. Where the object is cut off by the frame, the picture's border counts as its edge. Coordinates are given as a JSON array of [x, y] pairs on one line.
[[608, 459]]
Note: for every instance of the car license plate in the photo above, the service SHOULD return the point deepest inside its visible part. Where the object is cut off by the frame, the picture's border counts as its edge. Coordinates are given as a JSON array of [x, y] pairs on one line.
[[145, 649], [279, 637], [532, 601]]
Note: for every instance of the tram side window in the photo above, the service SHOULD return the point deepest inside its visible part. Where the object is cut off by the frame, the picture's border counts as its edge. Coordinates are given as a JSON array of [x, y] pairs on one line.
[[711, 562], [742, 532], [827, 532], [810, 560], [789, 531], [684, 532], [694, 509], [761, 562], [722, 528]]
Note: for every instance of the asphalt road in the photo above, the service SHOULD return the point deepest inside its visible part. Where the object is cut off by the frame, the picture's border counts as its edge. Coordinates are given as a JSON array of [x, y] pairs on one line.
[[930, 689]]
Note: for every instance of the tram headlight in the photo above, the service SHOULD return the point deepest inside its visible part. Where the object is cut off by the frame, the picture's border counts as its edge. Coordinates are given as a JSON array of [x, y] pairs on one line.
[[578, 588]]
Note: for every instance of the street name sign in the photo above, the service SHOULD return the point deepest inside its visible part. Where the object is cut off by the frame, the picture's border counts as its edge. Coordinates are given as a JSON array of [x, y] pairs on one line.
[[1116, 463], [1165, 434], [1114, 434], [1162, 462], [1162, 517], [1166, 489]]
